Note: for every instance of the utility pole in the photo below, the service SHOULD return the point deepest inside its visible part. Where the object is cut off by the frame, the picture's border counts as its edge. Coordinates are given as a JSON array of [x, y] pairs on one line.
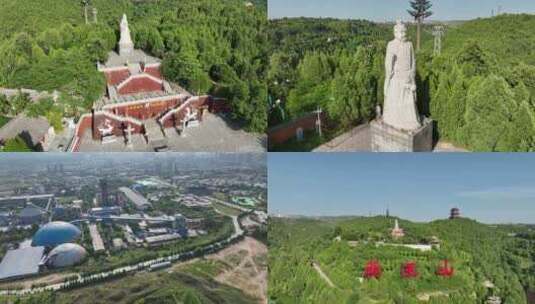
[[438, 32], [95, 15], [318, 121]]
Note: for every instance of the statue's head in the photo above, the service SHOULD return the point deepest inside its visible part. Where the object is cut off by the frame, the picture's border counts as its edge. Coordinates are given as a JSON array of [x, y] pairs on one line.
[[400, 31]]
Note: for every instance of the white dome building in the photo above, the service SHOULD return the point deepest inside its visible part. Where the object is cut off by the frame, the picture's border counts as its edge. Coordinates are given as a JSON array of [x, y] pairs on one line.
[[64, 255]]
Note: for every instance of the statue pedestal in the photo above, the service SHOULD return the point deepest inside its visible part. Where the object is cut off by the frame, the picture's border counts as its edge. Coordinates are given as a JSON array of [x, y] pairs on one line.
[[385, 138]]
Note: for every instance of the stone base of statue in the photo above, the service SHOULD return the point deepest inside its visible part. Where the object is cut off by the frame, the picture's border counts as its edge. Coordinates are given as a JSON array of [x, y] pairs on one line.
[[385, 138]]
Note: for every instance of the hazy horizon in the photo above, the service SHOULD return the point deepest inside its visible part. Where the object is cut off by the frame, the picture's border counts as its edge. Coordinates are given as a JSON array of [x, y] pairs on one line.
[[391, 10], [490, 188]]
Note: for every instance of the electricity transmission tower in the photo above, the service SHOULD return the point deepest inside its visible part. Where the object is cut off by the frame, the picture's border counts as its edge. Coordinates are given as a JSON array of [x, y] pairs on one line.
[[438, 32]]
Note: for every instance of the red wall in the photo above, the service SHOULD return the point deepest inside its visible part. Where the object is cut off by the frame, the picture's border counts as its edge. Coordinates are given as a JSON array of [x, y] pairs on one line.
[[139, 85], [145, 110], [282, 133]]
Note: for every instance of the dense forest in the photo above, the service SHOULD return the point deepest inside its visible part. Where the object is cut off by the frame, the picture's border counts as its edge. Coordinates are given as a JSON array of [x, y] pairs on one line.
[[207, 46], [479, 90], [487, 260]]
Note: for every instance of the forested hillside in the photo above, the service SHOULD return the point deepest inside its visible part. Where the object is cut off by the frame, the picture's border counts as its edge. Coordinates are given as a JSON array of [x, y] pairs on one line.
[[479, 90], [479, 254], [207, 46]]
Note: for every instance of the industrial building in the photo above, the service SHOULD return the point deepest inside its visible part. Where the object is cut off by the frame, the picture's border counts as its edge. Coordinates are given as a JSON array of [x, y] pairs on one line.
[[21, 262], [160, 239], [53, 238], [105, 211], [65, 255], [21, 200], [31, 215], [136, 198], [4, 218], [55, 233]]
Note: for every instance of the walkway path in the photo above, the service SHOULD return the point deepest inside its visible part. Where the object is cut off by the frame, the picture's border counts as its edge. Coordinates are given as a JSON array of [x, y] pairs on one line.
[[322, 274]]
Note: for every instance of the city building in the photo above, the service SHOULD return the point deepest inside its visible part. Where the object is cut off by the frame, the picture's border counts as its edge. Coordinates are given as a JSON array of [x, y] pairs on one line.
[[397, 232], [55, 233]]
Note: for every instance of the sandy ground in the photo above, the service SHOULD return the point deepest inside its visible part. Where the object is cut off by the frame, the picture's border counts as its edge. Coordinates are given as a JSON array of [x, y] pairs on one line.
[[247, 274]]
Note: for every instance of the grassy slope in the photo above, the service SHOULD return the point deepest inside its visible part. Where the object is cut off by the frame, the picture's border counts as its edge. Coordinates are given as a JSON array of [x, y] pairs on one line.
[[509, 37], [161, 287], [31, 15], [294, 243]]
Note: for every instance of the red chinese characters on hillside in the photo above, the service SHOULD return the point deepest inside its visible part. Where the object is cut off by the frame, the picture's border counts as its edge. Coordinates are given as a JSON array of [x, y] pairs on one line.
[[372, 270], [444, 269], [408, 270]]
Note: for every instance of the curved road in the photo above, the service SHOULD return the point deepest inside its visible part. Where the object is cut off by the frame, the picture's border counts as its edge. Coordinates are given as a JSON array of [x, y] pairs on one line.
[[130, 268]]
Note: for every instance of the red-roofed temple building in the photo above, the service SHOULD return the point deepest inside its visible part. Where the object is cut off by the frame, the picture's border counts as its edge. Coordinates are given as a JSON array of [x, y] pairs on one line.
[[139, 100]]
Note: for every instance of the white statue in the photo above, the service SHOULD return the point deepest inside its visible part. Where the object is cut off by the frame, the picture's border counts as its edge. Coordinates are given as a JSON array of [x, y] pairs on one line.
[[399, 109], [126, 46]]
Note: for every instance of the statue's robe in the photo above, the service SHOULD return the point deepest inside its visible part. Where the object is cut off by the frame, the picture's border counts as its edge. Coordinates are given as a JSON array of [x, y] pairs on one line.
[[400, 109]]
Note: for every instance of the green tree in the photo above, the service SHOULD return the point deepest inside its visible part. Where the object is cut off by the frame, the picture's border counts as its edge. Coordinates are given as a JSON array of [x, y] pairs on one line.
[[490, 108], [16, 144], [191, 298], [420, 10]]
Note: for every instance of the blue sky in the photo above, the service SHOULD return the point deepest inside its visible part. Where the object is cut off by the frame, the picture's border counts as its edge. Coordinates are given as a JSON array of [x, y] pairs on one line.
[[381, 10], [491, 188]]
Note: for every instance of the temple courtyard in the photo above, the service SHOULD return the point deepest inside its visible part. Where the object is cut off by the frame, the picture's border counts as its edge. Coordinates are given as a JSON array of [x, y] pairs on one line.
[[215, 133]]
